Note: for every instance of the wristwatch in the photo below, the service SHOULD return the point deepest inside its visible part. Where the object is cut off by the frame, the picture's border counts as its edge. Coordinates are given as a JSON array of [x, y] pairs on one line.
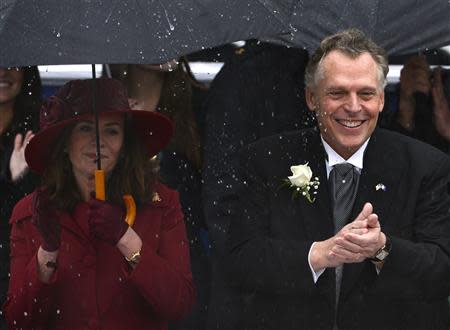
[[382, 253], [134, 258]]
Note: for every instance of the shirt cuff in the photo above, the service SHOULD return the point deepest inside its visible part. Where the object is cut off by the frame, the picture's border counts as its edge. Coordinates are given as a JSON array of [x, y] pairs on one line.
[[317, 274], [378, 270]]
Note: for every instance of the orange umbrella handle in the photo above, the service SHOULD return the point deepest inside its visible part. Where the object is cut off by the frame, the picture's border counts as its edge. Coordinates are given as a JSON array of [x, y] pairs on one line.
[[131, 209], [100, 185], [128, 199]]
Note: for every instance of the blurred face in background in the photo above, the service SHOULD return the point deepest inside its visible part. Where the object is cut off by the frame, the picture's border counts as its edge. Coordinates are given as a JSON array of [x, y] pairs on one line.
[[11, 80]]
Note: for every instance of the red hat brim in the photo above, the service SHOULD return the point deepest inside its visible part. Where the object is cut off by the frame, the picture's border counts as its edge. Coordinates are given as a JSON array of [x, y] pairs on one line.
[[153, 130]]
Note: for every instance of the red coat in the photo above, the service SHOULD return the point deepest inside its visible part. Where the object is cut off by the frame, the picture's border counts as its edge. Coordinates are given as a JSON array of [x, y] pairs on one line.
[[94, 287]]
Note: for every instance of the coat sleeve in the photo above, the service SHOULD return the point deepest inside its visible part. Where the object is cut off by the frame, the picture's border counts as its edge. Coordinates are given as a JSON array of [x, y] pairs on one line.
[[29, 301], [258, 261], [164, 276], [419, 263]]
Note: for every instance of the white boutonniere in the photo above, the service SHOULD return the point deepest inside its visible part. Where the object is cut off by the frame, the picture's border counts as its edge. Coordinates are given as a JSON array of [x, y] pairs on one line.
[[301, 184]]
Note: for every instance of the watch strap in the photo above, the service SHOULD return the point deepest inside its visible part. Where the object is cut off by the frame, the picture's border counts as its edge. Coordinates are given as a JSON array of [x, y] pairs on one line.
[[382, 253]]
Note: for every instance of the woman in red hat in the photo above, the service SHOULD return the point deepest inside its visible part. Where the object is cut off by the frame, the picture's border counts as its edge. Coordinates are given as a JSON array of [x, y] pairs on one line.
[[75, 262]]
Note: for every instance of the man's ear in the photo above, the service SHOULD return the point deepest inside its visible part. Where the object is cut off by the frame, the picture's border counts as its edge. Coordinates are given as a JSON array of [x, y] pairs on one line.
[[310, 99], [382, 101]]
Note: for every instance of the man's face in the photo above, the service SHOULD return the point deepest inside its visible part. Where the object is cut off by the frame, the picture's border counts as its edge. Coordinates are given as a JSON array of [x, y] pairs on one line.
[[347, 100]]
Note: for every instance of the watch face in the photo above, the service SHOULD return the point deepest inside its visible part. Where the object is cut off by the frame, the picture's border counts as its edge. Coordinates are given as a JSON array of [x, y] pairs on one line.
[[382, 255]]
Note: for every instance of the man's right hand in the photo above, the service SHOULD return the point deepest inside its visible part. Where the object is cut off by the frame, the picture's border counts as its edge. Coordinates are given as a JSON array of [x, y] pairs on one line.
[[339, 250], [46, 219]]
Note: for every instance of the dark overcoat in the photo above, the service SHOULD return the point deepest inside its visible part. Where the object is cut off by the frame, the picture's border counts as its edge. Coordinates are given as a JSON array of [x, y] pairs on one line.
[[406, 181]]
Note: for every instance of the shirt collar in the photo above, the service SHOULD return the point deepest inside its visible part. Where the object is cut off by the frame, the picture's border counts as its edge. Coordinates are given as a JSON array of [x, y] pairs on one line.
[[334, 158]]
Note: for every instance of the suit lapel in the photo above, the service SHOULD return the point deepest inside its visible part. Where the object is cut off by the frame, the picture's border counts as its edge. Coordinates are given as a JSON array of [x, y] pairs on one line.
[[317, 216], [379, 181]]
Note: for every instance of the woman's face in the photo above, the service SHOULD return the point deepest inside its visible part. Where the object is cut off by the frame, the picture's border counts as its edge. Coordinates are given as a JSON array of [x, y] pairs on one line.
[[82, 146], [11, 80]]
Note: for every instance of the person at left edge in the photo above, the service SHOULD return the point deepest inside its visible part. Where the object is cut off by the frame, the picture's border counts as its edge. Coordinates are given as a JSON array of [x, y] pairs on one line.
[[20, 100], [75, 262]]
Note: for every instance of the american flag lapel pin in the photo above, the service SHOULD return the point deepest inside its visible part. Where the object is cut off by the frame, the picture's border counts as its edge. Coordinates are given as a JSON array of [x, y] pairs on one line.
[[381, 187]]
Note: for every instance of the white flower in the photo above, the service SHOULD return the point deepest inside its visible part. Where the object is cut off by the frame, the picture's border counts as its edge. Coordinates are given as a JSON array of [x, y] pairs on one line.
[[301, 175], [300, 182]]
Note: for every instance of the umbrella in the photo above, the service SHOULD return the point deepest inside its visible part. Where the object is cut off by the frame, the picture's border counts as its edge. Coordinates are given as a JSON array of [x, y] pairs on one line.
[[118, 31], [400, 26], [138, 31]]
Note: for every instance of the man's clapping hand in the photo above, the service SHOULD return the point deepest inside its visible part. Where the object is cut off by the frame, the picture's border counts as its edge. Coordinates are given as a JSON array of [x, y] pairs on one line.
[[355, 242], [365, 244]]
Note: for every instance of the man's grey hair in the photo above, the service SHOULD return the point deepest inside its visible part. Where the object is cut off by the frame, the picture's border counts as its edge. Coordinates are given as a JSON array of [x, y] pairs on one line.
[[351, 42]]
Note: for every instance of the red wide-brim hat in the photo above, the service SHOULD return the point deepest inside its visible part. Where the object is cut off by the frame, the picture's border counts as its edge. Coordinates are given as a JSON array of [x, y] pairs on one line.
[[73, 103]]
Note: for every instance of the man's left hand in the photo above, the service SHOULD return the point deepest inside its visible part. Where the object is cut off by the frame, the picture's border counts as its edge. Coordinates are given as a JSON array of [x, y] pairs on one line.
[[368, 243]]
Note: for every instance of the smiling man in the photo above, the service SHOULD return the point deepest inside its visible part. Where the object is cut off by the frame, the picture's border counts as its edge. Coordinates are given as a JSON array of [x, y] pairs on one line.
[[347, 98], [359, 236]]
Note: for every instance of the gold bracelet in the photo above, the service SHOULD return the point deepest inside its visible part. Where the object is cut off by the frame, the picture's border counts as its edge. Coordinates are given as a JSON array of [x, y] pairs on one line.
[[135, 257]]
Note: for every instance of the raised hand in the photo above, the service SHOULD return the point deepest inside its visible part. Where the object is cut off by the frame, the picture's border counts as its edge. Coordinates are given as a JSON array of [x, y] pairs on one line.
[[106, 221], [441, 108], [414, 78], [368, 243], [355, 242], [17, 164], [46, 219]]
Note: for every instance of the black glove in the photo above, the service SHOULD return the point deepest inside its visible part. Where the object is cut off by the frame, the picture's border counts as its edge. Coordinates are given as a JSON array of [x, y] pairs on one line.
[[46, 219], [107, 221]]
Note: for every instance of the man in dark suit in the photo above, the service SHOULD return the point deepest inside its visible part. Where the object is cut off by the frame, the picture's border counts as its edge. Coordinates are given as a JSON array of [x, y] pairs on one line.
[[366, 250]]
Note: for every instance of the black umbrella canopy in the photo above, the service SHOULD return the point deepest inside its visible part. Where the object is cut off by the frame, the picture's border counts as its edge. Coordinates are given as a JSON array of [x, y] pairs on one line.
[[119, 31], [399, 26]]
